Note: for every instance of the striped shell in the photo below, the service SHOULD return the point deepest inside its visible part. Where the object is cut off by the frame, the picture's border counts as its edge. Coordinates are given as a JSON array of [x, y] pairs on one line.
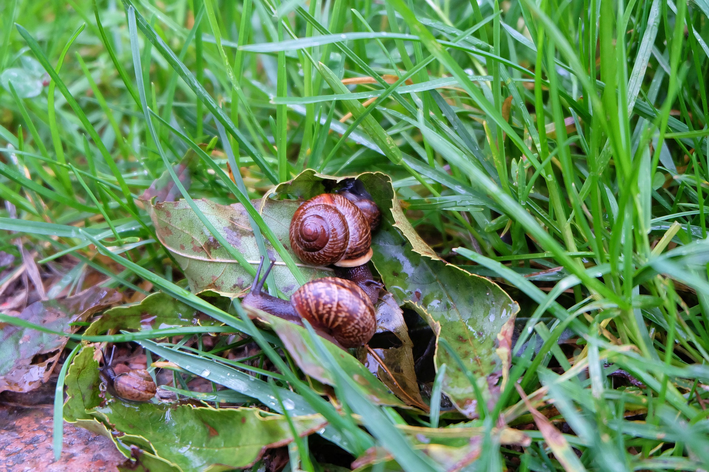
[[329, 229], [339, 306]]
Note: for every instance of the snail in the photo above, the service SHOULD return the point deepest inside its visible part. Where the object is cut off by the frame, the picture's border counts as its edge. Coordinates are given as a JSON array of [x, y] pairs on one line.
[[134, 386], [337, 308], [335, 228]]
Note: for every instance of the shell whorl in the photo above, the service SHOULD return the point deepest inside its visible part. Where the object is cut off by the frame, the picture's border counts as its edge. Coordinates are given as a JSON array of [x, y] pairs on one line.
[[339, 306], [329, 229]]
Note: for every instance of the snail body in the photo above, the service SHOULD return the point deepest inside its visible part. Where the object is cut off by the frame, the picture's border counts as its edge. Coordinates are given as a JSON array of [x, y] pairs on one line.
[[133, 386], [335, 307], [335, 228]]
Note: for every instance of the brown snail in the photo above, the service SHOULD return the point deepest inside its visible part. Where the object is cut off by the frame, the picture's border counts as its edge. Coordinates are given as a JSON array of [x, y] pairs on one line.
[[133, 386], [335, 228], [336, 308]]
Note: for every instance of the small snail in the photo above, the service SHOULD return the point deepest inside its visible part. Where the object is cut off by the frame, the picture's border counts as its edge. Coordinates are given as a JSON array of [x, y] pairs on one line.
[[337, 308], [335, 228], [133, 386]]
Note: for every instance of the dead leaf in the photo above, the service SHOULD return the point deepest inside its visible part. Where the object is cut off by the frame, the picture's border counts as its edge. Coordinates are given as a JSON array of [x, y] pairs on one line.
[[19, 370]]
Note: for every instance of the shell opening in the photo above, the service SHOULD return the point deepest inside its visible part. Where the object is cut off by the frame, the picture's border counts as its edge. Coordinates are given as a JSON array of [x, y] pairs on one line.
[[356, 262]]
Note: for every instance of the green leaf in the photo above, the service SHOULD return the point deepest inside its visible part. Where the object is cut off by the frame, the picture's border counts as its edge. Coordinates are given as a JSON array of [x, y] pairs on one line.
[[231, 437], [467, 310], [198, 438], [243, 383], [82, 386], [157, 311], [207, 265]]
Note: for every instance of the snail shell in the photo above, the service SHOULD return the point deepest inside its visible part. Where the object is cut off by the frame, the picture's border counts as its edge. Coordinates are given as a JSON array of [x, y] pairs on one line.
[[366, 205], [330, 229], [338, 305], [135, 385]]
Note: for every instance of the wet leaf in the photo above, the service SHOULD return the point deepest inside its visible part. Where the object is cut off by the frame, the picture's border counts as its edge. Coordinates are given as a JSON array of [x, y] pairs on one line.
[[206, 264], [304, 353], [18, 346], [84, 395], [197, 438], [82, 386], [245, 384], [26, 84], [231, 438], [467, 310], [156, 311], [394, 366]]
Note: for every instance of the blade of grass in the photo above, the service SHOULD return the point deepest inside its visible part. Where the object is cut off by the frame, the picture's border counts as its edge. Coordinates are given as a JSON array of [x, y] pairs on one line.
[[32, 43], [58, 428], [51, 114], [199, 90]]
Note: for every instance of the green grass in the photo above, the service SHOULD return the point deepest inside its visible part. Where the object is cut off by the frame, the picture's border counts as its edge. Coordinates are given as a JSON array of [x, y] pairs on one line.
[[524, 136]]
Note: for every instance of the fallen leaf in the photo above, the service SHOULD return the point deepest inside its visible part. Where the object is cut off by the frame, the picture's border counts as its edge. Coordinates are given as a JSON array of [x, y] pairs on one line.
[[164, 433], [206, 264], [156, 311], [19, 346], [467, 310], [196, 439]]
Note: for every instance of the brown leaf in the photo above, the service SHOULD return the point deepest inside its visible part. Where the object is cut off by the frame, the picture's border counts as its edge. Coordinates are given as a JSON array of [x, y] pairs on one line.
[[19, 370], [504, 350]]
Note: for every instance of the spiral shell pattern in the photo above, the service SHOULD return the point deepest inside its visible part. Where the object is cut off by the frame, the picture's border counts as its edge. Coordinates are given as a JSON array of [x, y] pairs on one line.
[[339, 306], [328, 229]]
